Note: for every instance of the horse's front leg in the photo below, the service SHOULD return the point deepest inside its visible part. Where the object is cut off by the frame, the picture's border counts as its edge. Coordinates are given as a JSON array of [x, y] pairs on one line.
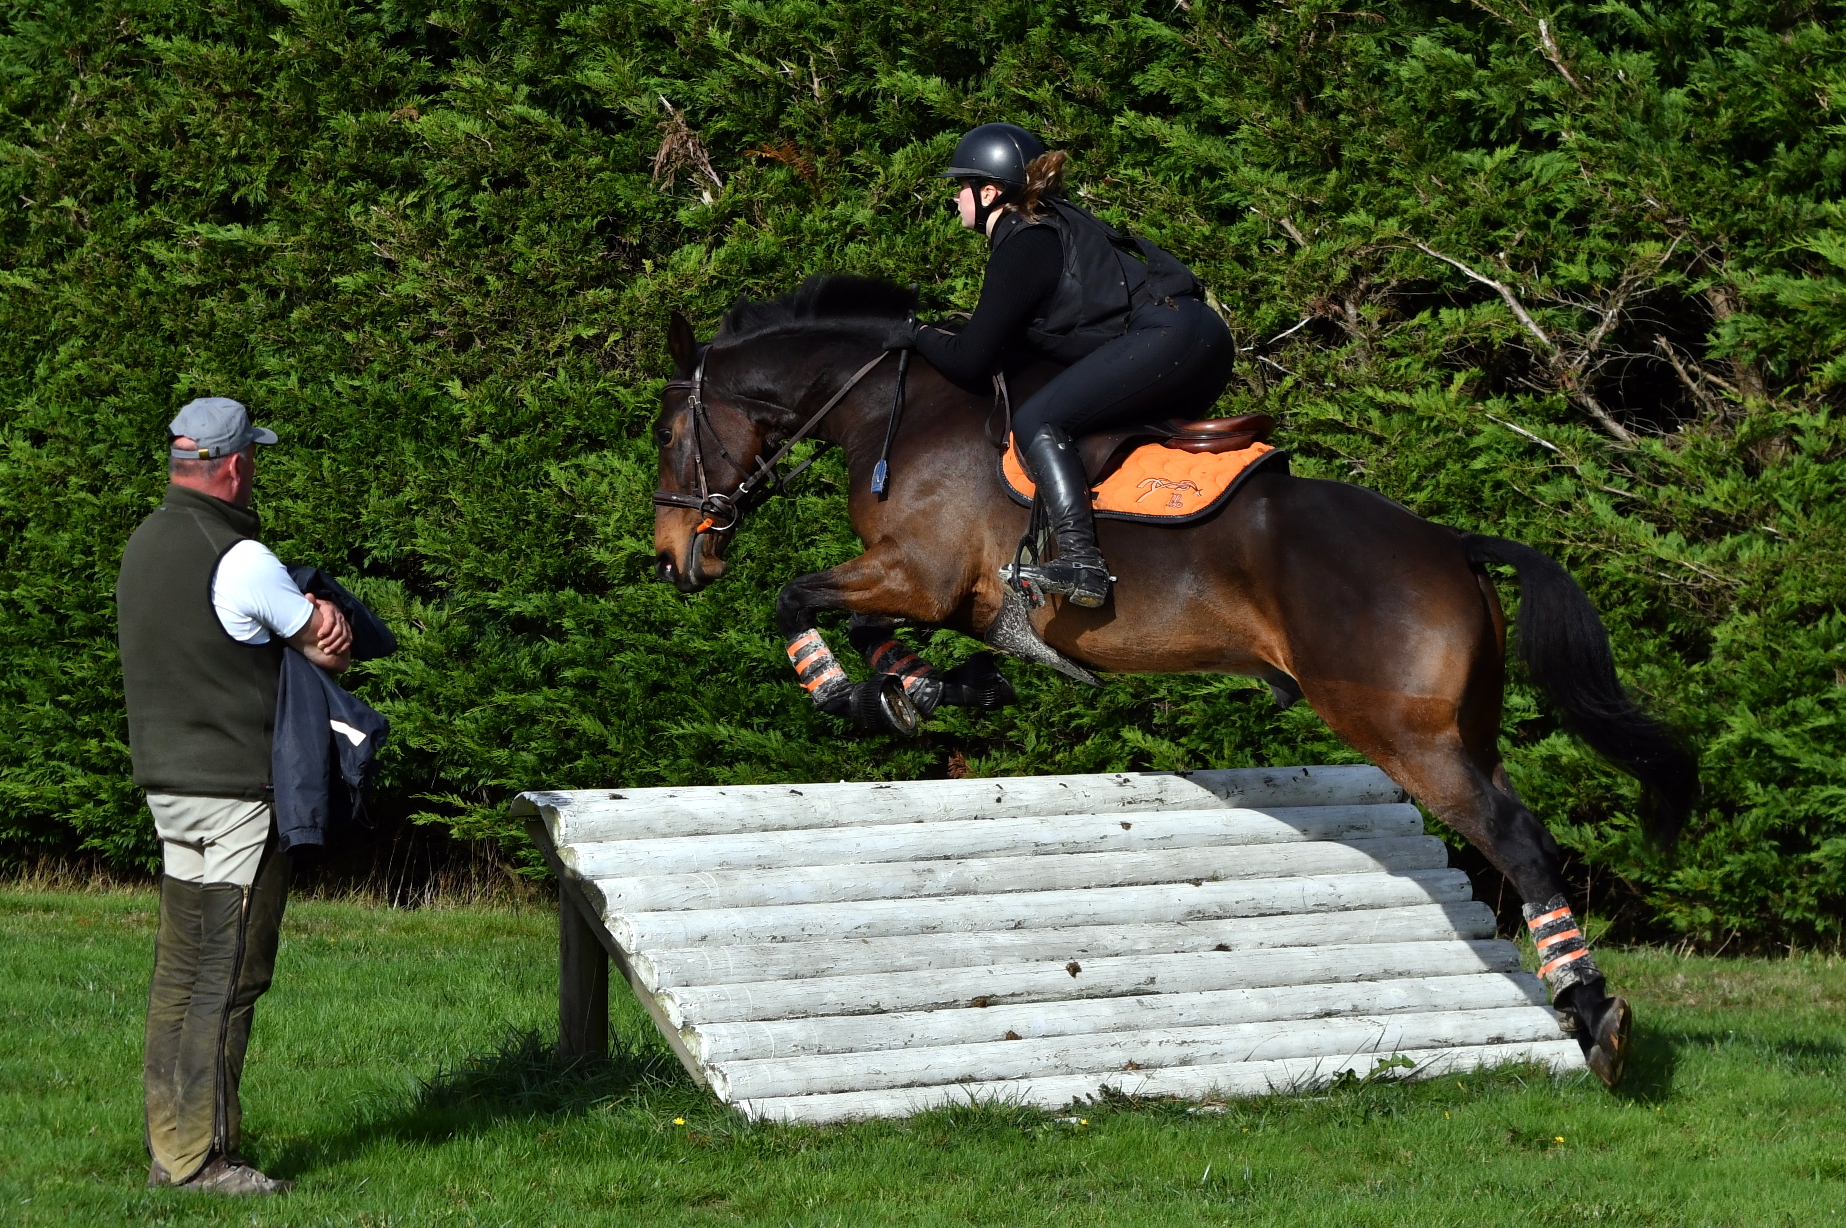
[[976, 683], [878, 592]]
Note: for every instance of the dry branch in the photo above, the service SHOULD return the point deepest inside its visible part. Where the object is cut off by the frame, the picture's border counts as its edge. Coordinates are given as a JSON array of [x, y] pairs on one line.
[[1568, 372], [681, 148], [1549, 42], [1694, 384]]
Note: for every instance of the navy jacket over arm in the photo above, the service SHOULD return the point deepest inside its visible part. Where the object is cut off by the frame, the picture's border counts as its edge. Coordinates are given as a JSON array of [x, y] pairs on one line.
[[327, 739]]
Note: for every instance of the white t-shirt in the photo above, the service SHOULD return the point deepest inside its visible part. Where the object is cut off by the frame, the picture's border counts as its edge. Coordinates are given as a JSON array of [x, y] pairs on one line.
[[254, 596]]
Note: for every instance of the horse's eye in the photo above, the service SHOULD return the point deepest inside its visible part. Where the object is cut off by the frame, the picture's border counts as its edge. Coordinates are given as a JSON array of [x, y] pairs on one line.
[[663, 435]]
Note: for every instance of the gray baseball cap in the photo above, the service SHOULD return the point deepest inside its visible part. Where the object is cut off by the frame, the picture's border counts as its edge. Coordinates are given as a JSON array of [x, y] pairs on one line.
[[220, 426]]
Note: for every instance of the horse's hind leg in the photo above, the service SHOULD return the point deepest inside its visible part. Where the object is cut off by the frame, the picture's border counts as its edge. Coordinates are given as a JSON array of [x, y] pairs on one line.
[[1418, 742]]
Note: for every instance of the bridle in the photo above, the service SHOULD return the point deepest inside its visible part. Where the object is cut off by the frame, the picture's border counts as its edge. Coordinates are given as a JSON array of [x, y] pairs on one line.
[[722, 511]]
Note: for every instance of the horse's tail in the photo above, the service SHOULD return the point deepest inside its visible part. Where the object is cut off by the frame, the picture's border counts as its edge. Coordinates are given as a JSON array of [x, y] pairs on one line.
[[1565, 648]]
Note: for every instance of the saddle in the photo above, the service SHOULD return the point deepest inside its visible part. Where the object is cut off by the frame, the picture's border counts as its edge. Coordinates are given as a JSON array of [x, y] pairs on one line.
[[1169, 473], [1104, 452]]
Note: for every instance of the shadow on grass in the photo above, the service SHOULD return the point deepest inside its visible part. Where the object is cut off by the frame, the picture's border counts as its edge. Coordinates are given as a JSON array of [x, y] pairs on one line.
[[522, 1078], [1653, 1064], [525, 1077]]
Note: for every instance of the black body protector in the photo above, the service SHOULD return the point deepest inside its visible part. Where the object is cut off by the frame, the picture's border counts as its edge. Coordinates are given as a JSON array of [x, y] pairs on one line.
[[1105, 276]]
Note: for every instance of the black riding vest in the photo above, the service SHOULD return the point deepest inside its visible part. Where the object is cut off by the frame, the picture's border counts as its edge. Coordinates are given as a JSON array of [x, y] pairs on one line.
[[1106, 275]]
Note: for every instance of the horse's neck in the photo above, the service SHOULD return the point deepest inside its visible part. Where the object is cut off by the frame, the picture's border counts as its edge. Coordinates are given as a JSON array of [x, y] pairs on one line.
[[937, 415]]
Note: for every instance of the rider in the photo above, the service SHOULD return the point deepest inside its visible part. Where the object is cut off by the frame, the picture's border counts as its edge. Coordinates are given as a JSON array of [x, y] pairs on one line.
[[1127, 319]]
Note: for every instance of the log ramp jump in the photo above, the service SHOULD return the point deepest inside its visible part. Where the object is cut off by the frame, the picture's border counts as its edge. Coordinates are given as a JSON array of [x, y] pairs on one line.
[[820, 953]]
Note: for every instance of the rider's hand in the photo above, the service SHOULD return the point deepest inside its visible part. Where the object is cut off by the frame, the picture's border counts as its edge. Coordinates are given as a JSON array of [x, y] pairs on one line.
[[903, 336]]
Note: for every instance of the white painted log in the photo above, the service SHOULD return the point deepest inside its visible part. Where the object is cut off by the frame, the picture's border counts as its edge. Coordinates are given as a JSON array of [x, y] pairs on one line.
[[913, 880], [1187, 1082], [1126, 1052], [1034, 836], [941, 989], [780, 1038], [590, 816], [784, 961], [1317, 893]]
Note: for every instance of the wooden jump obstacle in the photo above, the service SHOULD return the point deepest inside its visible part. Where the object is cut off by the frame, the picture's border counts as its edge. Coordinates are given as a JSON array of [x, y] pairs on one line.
[[826, 952]]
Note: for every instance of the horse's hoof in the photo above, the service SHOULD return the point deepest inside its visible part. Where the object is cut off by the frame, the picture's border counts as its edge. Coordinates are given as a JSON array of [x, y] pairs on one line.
[[882, 706], [1608, 1049], [978, 683]]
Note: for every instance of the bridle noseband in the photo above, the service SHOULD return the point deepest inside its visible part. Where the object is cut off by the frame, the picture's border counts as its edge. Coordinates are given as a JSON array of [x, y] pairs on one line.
[[723, 510]]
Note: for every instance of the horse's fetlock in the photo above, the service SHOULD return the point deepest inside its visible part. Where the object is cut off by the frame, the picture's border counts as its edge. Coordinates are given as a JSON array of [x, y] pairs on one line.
[[836, 702]]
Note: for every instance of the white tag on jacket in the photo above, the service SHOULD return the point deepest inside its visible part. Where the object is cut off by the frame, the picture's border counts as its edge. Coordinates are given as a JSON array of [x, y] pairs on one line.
[[347, 731]]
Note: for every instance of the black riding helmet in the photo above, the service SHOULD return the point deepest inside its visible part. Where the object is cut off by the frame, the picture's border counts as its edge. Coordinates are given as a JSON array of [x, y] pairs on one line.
[[994, 153]]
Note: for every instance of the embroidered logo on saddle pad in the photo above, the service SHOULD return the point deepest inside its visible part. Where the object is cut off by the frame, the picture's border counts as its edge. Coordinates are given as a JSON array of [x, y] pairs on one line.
[[1158, 483]]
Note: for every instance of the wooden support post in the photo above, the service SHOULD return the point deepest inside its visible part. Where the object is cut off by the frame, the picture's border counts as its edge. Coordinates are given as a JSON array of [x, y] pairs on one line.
[[573, 904], [583, 984]]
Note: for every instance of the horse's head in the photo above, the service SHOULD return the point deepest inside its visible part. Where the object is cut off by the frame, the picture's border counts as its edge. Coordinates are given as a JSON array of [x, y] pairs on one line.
[[708, 442], [734, 407]]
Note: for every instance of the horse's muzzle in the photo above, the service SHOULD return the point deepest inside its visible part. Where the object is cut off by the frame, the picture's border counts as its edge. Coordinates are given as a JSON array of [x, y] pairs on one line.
[[686, 580], [695, 566]]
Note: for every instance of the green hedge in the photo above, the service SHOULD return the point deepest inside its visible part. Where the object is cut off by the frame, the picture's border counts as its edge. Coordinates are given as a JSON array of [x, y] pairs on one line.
[[429, 245]]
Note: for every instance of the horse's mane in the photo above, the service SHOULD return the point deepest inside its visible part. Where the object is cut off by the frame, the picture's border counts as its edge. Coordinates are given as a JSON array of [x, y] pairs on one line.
[[841, 300]]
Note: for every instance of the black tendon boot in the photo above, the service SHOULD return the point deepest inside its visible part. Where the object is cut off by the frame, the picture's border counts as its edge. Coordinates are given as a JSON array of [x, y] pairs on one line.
[[1599, 1022], [1078, 572]]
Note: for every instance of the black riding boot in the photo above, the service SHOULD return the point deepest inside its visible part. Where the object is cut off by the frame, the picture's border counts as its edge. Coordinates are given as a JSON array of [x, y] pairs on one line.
[[1078, 572]]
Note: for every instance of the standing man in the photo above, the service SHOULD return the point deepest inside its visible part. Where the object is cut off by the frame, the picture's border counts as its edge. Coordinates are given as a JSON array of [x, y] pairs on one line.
[[205, 610]]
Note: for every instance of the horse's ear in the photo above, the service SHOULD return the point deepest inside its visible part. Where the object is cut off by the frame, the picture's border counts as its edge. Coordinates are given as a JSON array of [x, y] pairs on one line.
[[682, 345]]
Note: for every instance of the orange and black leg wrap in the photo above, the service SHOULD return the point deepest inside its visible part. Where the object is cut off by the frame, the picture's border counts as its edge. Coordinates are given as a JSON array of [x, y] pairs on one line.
[[819, 673], [976, 683], [1563, 953], [922, 682]]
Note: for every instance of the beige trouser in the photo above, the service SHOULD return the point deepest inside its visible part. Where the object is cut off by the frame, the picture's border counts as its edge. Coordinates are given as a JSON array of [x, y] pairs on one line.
[[221, 903], [210, 839]]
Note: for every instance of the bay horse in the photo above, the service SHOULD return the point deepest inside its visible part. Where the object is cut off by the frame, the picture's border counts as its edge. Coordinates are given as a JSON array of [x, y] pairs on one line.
[[1386, 623]]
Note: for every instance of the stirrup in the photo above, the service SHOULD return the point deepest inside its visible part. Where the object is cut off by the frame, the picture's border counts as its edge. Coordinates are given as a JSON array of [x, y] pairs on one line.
[[1083, 583]]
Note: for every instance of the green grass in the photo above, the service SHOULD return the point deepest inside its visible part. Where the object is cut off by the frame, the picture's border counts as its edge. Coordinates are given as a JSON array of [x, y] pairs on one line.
[[401, 1072]]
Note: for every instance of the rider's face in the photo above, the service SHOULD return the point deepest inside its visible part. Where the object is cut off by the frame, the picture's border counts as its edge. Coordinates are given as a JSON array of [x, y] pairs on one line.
[[965, 201]]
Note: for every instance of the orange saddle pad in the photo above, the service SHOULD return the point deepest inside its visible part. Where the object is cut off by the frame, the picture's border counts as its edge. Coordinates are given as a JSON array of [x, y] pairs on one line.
[[1157, 483]]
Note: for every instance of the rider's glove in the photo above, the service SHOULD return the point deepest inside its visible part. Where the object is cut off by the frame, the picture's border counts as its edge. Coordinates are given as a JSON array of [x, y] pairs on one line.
[[903, 336]]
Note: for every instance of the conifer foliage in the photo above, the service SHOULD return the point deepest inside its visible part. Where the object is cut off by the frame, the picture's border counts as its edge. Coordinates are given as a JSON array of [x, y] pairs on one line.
[[1574, 275]]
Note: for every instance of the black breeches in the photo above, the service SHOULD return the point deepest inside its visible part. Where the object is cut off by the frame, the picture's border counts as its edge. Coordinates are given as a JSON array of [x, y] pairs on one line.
[[1171, 363]]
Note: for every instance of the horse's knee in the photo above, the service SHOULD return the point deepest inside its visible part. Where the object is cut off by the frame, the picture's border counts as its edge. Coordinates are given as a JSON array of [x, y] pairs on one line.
[[794, 609]]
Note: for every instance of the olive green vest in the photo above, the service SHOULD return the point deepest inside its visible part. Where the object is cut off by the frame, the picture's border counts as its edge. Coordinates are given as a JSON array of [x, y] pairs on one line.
[[201, 706]]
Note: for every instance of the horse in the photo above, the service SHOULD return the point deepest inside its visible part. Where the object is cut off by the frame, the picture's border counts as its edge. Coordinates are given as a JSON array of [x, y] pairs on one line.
[[1387, 624]]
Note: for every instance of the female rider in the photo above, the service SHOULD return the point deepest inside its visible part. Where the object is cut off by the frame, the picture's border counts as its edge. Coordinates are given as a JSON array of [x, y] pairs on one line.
[[1128, 319]]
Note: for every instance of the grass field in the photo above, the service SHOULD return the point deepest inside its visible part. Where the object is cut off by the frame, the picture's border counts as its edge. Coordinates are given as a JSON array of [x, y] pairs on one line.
[[401, 1072]]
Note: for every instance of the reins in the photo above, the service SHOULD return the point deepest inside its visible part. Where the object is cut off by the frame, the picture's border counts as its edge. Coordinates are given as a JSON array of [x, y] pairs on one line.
[[762, 482]]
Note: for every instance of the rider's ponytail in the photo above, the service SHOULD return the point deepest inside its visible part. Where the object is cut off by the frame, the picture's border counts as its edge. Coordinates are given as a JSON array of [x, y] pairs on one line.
[[1044, 177]]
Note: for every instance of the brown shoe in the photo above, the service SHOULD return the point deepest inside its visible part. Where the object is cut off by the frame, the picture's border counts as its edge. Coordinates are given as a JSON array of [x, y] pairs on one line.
[[157, 1176], [234, 1179]]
